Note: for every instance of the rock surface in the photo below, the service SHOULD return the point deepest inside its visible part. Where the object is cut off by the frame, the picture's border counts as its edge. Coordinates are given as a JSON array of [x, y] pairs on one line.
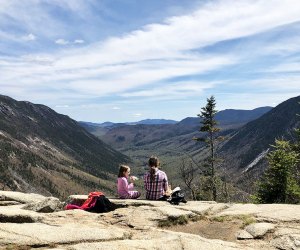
[[144, 224], [259, 230]]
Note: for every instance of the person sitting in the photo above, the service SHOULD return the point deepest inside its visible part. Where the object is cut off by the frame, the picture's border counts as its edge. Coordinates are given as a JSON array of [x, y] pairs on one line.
[[125, 190], [155, 181]]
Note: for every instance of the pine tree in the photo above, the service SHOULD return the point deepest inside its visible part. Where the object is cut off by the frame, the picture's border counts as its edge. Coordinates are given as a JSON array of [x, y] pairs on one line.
[[281, 181], [209, 126], [278, 184]]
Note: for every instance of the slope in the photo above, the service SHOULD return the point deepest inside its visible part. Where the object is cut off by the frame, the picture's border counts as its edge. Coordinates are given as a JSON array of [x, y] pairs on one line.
[[41, 150], [244, 152]]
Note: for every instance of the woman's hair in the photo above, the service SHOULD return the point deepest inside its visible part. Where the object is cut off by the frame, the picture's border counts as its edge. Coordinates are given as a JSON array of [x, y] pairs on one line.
[[153, 164], [122, 170]]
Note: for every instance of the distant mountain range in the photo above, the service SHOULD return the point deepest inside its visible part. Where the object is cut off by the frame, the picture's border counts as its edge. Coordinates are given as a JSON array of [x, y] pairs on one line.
[[230, 116], [248, 133], [112, 124], [99, 129], [46, 152], [119, 135], [224, 116], [159, 129]]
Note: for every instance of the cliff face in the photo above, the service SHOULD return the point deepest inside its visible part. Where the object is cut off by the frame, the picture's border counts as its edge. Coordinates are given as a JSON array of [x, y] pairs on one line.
[[146, 225]]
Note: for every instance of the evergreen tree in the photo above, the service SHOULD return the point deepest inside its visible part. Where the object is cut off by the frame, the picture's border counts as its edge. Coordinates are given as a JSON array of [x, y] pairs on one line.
[[209, 126], [281, 181], [296, 172], [278, 184]]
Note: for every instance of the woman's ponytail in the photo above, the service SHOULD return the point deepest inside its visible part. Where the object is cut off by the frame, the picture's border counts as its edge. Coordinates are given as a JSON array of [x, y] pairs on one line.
[[153, 164]]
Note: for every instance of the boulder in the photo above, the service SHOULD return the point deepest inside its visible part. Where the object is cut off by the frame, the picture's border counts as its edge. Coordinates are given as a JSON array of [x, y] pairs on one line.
[[20, 197], [243, 235], [258, 230], [15, 214], [48, 205]]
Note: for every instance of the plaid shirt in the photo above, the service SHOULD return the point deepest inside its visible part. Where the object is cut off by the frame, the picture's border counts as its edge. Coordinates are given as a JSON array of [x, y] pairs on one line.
[[155, 189]]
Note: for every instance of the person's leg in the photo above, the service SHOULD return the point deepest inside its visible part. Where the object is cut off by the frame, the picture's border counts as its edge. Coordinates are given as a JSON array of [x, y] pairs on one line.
[[134, 194]]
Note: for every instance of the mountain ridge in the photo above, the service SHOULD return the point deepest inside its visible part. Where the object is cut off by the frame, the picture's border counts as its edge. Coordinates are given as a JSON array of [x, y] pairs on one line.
[[120, 135], [255, 139], [37, 143]]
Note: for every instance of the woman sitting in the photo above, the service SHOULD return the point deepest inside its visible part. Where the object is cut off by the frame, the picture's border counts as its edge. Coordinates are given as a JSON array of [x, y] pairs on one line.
[[155, 181]]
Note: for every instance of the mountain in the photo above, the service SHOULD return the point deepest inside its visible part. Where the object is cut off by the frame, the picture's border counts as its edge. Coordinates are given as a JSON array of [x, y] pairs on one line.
[[112, 124], [123, 136], [230, 116], [154, 121], [100, 129], [244, 152], [49, 153], [248, 136], [101, 125]]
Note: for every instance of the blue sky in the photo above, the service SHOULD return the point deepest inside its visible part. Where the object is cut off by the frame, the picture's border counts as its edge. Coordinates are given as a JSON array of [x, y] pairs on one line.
[[128, 60]]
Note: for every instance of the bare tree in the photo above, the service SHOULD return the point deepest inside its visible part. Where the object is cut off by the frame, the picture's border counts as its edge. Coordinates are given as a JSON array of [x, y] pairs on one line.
[[188, 174]]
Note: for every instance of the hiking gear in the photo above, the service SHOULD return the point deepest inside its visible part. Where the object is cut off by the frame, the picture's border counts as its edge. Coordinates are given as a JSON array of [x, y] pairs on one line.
[[176, 197], [96, 202]]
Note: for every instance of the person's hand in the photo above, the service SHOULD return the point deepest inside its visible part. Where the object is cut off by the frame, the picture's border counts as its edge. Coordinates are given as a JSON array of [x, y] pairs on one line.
[[133, 178], [169, 191]]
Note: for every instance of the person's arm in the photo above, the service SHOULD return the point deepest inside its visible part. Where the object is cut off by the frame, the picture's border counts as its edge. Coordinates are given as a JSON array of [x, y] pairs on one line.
[[165, 183], [145, 182]]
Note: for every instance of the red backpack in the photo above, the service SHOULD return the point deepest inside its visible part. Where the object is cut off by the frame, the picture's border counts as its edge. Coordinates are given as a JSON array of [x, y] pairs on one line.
[[91, 200]]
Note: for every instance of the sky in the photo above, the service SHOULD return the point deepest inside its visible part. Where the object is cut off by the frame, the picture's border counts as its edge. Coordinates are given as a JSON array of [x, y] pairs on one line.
[[129, 60]]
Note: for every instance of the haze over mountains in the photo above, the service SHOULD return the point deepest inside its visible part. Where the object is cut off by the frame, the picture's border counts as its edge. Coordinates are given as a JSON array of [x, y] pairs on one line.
[[49, 153]]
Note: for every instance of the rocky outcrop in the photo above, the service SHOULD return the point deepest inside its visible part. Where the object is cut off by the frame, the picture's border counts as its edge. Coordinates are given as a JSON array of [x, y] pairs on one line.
[[142, 224], [47, 205]]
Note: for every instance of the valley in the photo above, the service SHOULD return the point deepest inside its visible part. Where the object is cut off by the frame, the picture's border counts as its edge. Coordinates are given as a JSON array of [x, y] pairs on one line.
[[248, 135], [48, 153]]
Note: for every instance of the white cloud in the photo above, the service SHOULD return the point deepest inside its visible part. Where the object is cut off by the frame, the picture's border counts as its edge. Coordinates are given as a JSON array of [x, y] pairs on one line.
[[116, 108], [38, 59], [278, 83], [65, 42], [78, 41], [148, 56], [35, 15], [203, 27], [251, 100], [62, 41], [285, 68], [173, 91], [29, 37]]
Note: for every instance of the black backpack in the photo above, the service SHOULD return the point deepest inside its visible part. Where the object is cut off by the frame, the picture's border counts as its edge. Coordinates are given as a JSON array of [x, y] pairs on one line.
[[177, 197], [103, 205]]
